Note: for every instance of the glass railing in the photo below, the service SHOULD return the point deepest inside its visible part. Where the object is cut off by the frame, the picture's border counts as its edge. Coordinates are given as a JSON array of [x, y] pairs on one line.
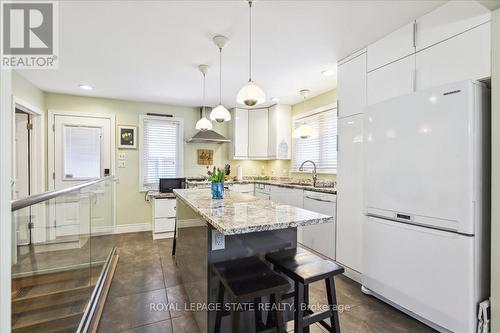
[[62, 249]]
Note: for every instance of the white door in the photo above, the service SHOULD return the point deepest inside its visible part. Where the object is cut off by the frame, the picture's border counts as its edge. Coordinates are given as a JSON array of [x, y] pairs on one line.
[[82, 151], [352, 86], [22, 175], [350, 192], [258, 133]]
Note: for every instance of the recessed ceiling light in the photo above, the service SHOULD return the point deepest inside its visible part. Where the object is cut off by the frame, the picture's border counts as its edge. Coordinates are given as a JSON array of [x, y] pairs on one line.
[[328, 72], [85, 86], [275, 99]]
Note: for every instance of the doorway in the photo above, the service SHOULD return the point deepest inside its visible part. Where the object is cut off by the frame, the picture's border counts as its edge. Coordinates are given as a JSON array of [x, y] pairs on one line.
[[22, 172], [81, 148]]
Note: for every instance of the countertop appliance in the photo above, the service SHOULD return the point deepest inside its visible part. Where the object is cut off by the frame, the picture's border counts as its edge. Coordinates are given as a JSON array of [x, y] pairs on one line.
[[168, 184], [426, 233]]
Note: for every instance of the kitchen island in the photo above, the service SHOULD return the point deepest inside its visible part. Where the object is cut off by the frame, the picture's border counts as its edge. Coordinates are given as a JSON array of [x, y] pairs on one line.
[[240, 225]]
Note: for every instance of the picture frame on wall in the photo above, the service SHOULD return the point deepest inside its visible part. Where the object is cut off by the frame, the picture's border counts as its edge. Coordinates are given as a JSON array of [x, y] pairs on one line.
[[127, 137]]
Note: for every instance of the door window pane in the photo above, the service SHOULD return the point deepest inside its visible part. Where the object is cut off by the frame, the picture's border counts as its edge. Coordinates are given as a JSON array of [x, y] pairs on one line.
[[82, 152]]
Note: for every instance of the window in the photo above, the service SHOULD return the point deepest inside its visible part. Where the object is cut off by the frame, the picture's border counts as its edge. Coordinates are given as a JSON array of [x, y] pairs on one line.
[[321, 149], [82, 152], [161, 150]]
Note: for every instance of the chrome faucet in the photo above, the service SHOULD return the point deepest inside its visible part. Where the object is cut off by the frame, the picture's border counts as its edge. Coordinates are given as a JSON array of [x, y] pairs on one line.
[[315, 176]]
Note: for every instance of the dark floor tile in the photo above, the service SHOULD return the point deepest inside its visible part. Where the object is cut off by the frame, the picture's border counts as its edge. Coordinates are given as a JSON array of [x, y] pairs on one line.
[[171, 276], [159, 327], [177, 297], [127, 312], [184, 324], [126, 282]]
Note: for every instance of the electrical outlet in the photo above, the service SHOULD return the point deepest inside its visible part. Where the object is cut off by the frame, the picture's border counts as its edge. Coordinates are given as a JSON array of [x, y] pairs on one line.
[[121, 164], [218, 240], [122, 156]]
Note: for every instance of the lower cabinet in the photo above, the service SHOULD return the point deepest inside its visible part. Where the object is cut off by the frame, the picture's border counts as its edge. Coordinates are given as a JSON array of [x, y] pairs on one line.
[[163, 217], [243, 188]]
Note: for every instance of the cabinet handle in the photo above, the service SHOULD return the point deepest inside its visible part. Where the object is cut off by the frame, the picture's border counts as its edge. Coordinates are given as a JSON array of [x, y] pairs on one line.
[[316, 199]]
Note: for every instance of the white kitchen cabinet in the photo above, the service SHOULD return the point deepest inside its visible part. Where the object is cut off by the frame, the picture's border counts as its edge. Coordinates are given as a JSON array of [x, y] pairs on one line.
[[320, 237], [163, 217], [448, 20], [239, 134], [351, 93], [243, 188], [397, 45], [350, 192], [258, 133], [280, 132], [287, 196], [466, 56], [263, 191], [392, 80]]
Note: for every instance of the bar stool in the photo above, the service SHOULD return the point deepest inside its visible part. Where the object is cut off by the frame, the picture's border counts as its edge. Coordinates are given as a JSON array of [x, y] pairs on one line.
[[304, 268], [247, 280]]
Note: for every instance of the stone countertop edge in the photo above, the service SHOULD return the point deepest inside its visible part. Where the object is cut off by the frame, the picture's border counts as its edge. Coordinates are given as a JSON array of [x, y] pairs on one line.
[[329, 190], [257, 228]]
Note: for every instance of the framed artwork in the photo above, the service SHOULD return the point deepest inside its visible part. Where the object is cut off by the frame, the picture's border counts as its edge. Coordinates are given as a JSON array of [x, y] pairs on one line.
[[205, 156], [127, 137]]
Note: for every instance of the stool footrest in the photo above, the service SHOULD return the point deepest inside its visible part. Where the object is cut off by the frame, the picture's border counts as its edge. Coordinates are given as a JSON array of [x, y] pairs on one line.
[[317, 316], [322, 322]]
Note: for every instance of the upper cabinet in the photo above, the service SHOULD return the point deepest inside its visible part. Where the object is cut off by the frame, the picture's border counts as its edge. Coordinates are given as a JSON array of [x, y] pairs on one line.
[[392, 47], [280, 132], [448, 20], [239, 134], [261, 134], [351, 90], [258, 133]]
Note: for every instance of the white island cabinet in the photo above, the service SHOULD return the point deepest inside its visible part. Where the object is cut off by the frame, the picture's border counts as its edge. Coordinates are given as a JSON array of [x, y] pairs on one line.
[[163, 217]]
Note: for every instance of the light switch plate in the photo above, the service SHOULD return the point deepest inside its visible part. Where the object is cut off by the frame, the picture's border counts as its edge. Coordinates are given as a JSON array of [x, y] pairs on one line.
[[218, 240], [122, 156], [121, 164]]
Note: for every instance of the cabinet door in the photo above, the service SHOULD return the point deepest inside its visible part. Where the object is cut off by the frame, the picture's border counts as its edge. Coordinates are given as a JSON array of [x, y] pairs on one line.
[[280, 132], [351, 90], [451, 19], [240, 133], [164, 224], [350, 192], [463, 57], [395, 46], [392, 80], [164, 208], [258, 133]]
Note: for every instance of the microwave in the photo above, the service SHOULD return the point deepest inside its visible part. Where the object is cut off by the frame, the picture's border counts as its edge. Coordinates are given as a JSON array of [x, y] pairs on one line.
[[167, 185]]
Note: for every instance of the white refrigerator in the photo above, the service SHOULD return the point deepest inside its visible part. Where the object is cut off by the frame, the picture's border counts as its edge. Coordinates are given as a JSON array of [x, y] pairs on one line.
[[427, 184]]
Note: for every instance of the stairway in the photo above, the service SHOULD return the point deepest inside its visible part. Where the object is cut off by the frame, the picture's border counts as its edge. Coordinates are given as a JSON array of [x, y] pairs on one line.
[[52, 303]]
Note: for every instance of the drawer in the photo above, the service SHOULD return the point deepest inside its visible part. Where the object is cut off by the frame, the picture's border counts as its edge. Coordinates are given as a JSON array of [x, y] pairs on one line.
[[243, 188], [328, 197], [262, 188], [164, 208], [164, 224]]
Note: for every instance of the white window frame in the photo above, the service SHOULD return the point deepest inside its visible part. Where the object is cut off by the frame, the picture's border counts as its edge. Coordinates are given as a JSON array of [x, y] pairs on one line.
[[180, 145], [329, 107]]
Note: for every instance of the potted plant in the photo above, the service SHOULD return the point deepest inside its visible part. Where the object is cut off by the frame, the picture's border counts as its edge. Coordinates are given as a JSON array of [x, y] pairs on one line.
[[217, 177]]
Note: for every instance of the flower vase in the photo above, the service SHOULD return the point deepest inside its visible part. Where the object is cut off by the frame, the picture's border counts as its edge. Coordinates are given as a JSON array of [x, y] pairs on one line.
[[218, 190]]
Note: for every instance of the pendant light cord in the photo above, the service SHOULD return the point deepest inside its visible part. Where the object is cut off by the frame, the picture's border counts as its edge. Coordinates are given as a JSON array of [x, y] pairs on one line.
[[250, 41], [220, 76], [203, 107]]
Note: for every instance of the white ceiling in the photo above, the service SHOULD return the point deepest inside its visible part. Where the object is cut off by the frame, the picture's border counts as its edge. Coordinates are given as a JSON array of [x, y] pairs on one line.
[[149, 50]]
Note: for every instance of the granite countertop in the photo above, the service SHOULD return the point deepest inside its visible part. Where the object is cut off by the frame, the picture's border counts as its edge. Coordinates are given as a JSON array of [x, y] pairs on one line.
[[280, 183], [159, 195], [240, 213]]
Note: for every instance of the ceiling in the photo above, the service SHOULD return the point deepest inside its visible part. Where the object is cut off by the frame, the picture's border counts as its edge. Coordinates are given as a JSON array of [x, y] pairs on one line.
[[149, 50]]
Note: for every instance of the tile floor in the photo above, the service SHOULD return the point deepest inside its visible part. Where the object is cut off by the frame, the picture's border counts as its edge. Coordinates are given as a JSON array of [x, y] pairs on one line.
[[146, 273]]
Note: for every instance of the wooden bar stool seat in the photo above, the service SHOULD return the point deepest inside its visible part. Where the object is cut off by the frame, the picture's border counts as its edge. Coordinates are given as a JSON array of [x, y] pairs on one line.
[[247, 280], [305, 267]]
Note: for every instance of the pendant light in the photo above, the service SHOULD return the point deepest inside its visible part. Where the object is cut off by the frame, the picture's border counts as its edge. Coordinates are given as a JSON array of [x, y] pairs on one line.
[[203, 124], [304, 131], [250, 94], [220, 113]]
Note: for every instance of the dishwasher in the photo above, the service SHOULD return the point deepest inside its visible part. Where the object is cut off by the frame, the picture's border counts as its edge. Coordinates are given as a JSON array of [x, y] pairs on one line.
[[320, 237]]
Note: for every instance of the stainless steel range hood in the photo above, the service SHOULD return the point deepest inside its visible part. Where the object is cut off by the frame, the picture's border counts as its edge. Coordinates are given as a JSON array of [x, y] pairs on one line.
[[208, 136]]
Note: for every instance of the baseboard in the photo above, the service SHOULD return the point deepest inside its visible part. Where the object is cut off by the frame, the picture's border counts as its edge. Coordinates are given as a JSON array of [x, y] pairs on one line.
[[163, 235], [126, 228]]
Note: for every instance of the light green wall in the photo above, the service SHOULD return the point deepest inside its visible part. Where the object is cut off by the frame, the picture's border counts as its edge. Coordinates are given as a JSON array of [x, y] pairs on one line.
[[131, 207], [495, 197], [281, 167], [27, 92]]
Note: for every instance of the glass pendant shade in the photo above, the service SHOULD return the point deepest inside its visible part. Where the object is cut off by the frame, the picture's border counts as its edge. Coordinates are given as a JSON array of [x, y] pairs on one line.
[[204, 124], [251, 94], [220, 114], [304, 131]]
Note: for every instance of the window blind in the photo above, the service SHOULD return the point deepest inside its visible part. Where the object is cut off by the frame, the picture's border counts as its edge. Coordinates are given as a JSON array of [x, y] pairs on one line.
[[160, 150], [322, 148]]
